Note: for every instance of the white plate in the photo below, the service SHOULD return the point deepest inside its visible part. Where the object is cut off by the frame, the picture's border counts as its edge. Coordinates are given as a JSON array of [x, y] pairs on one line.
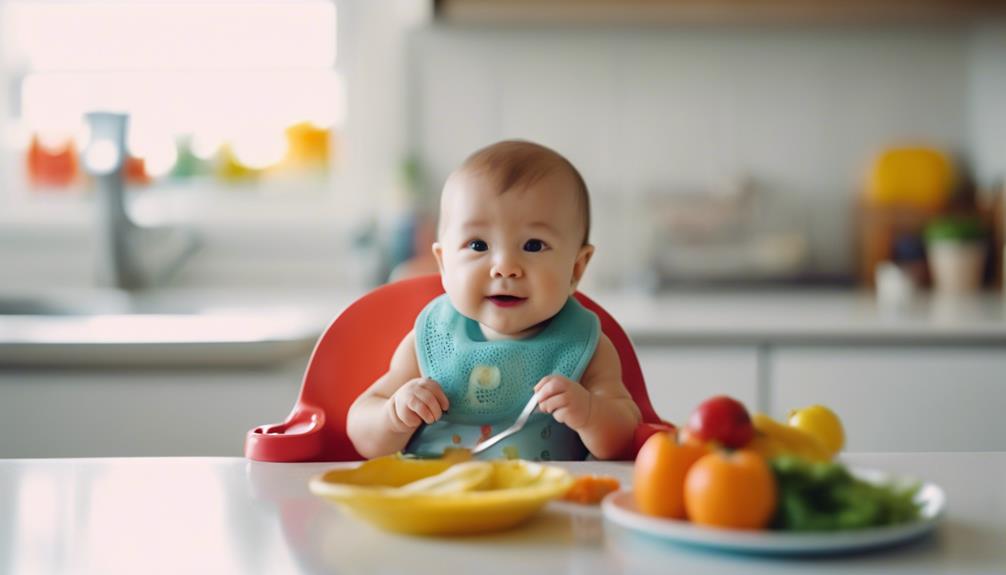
[[620, 508]]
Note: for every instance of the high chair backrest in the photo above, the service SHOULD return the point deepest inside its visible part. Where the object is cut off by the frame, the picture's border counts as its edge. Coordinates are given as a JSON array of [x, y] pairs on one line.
[[355, 351]]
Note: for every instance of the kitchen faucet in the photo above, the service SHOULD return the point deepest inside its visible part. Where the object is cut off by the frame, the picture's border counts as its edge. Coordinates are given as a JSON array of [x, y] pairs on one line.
[[131, 256]]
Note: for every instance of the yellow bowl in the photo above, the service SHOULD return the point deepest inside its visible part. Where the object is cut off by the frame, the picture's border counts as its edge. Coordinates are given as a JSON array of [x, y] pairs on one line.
[[516, 490]]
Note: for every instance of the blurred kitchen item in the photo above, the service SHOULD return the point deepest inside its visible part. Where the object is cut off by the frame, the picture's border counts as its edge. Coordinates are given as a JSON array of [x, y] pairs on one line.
[[51, 166], [957, 267], [998, 216], [909, 254], [308, 147], [879, 229], [421, 262], [895, 285], [133, 256], [905, 188], [230, 169], [187, 163], [135, 171], [409, 224], [911, 177], [730, 233], [957, 251]]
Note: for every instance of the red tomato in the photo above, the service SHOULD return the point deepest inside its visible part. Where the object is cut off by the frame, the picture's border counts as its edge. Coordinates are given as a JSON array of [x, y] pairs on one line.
[[721, 419]]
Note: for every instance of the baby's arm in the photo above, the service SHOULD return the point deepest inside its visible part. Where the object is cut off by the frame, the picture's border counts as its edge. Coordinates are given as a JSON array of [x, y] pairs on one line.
[[599, 408], [385, 416]]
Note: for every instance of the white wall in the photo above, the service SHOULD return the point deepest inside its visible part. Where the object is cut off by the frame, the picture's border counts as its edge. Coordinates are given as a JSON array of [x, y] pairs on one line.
[[372, 37], [988, 103], [799, 110]]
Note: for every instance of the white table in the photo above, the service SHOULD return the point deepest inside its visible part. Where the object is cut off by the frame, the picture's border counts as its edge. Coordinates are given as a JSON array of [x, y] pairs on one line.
[[229, 515]]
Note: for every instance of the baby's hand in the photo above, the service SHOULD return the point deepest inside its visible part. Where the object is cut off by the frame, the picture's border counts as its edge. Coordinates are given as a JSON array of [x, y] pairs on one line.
[[567, 401], [419, 400]]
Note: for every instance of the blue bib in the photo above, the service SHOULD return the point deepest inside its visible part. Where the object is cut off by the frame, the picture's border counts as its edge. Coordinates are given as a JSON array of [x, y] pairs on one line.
[[489, 382]]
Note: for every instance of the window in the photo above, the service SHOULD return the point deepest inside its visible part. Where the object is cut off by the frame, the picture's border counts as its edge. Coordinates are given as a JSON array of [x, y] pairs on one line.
[[229, 93]]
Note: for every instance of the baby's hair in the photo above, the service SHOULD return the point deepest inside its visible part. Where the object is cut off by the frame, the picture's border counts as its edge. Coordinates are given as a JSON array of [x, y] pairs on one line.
[[516, 164]]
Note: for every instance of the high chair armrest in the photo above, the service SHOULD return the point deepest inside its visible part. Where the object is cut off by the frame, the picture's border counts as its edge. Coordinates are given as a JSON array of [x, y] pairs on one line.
[[299, 438]]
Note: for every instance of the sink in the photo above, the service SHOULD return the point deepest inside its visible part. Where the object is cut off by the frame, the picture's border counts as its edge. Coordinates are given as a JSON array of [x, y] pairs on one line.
[[29, 306], [35, 306], [177, 329], [113, 303]]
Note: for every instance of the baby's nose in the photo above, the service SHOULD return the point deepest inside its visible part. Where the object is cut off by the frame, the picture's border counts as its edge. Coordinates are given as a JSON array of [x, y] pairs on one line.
[[506, 266]]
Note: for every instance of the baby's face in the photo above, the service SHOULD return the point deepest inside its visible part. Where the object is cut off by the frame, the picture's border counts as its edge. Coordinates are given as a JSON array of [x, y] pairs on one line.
[[510, 261]]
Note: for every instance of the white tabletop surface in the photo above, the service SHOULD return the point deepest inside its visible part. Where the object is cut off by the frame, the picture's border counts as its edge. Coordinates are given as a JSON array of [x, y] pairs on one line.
[[229, 515]]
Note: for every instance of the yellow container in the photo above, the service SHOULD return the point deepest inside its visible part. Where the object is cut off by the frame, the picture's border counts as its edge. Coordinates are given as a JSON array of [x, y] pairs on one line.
[[514, 492], [910, 177]]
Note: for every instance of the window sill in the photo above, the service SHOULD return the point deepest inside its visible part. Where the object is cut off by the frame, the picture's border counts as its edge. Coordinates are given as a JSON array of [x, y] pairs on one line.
[[202, 205]]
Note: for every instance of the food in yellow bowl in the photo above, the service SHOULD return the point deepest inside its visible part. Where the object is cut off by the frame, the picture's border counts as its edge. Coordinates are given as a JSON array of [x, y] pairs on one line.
[[442, 496]]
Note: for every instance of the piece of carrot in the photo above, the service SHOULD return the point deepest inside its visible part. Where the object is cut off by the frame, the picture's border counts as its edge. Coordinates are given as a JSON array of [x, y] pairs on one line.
[[591, 489]]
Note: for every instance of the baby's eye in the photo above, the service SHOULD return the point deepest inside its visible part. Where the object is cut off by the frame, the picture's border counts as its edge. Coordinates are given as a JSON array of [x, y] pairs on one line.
[[534, 246], [478, 245]]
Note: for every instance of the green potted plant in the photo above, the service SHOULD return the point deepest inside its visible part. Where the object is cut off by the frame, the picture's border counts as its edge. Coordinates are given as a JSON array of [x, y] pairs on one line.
[[955, 246]]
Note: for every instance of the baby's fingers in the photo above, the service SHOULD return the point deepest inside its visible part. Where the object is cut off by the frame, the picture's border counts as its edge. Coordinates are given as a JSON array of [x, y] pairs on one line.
[[427, 405], [417, 406], [550, 386], [407, 416], [553, 403], [438, 393]]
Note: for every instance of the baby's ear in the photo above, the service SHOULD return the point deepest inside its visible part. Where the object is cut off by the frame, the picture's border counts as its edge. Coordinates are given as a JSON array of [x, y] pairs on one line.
[[438, 254], [580, 265]]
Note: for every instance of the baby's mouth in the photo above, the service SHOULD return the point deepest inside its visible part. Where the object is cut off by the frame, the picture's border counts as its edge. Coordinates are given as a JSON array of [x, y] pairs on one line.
[[506, 300]]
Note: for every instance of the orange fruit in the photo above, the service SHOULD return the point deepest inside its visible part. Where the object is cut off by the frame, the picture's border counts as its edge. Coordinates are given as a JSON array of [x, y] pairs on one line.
[[659, 474], [735, 490]]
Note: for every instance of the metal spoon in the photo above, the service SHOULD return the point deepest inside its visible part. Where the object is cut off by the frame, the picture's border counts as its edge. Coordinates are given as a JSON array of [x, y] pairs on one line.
[[525, 414]]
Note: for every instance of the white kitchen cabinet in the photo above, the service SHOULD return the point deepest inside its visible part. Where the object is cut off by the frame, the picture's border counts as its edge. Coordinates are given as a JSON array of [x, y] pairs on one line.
[[891, 398], [899, 398], [679, 377], [133, 412]]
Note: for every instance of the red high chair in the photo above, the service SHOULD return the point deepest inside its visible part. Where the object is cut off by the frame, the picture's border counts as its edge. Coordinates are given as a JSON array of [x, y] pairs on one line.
[[356, 349]]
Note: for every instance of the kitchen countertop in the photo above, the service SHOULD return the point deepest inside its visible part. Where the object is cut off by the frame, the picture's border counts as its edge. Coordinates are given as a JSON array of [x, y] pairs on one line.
[[230, 515], [194, 327], [807, 317], [160, 328]]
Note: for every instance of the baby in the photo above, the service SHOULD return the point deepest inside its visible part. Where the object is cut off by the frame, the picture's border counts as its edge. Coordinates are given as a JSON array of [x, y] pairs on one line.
[[511, 248]]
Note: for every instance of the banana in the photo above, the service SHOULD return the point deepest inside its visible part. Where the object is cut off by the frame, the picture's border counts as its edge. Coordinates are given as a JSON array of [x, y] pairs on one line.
[[786, 439], [767, 447], [467, 476]]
